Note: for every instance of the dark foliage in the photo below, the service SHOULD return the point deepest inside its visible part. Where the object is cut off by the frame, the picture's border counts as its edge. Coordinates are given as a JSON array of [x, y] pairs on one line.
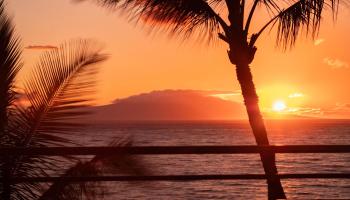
[[186, 17], [60, 85]]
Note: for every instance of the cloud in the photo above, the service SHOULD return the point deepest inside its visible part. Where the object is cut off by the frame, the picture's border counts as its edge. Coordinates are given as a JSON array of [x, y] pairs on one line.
[[230, 96], [340, 110], [335, 63], [342, 106], [41, 47], [319, 41], [304, 111], [296, 95], [310, 111]]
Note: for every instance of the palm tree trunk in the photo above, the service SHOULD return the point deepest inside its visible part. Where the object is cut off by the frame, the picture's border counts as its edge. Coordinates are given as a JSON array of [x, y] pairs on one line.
[[244, 76]]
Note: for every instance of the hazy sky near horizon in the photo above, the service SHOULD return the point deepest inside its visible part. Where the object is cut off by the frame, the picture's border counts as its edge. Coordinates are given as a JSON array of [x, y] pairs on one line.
[[313, 77]]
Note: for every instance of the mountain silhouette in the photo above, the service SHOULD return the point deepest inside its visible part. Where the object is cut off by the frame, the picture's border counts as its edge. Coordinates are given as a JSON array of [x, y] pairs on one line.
[[169, 105]]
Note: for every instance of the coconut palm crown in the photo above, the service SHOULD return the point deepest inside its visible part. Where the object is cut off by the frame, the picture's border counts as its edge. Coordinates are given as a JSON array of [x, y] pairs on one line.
[[205, 19]]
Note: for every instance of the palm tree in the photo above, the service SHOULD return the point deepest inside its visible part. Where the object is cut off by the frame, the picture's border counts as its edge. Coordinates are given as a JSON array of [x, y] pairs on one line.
[[56, 91], [203, 18]]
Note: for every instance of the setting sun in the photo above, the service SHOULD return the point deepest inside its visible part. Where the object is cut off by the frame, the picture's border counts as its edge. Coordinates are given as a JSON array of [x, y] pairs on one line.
[[279, 106]]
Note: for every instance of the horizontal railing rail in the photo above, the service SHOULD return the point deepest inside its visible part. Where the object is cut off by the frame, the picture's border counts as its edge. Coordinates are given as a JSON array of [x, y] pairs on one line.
[[166, 150], [159, 150], [203, 177], [174, 150]]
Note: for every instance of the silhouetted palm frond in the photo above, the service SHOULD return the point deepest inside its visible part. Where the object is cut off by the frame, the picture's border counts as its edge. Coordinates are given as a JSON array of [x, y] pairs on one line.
[[302, 15], [60, 190], [97, 166], [9, 66], [176, 17], [185, 17], [57, 89]]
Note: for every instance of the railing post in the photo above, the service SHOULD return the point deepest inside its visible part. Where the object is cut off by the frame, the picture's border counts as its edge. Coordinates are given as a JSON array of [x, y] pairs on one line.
[[6, 184]]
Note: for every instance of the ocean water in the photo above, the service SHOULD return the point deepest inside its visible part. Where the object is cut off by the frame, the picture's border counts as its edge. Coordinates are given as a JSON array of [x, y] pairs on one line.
[[281, 132]]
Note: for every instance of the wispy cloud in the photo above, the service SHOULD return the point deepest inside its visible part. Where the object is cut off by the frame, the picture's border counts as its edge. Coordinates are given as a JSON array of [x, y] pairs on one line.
[[227, 95], [310, 111], [319, 41], [296, 95], [40, 47], [340, 110], [335, 63]]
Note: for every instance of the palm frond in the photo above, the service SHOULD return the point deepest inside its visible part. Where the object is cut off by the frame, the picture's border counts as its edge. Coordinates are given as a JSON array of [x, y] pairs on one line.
[[74, 191], [271, 6], [58, 88], [9, 66], [97, 166], [176, 17], [304, 14], [60, 85]]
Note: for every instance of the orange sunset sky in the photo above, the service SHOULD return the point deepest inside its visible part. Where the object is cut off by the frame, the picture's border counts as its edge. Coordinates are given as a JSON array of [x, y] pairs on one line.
[[310, 79]]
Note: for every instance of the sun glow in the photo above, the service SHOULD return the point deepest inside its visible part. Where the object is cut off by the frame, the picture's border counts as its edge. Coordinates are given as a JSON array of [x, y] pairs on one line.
[[279, 106]]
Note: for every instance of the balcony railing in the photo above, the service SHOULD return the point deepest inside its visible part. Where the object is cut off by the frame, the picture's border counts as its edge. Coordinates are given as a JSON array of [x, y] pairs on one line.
[[172, 150]]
